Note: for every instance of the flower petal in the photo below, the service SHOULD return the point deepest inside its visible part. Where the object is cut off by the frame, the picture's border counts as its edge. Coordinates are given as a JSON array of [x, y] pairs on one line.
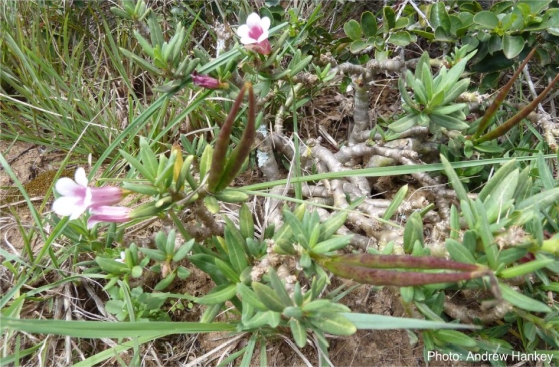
[[69, 206], [265, 24], [81, 178], [253, 20], [67, 187], [243, 32], [263, 36]]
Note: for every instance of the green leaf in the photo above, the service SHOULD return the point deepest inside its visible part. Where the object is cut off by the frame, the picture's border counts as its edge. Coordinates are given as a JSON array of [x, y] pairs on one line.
[[235, 246], [527, 268], [455, 337], [456, 90], [324, 305], [258, 320], [459, 252], [249, 296], [332, 244], [453, 75], [486, 19], [268, 297], [541, 200], [357, 46], [143, 63], [499, 200], [388, 19], [491, 187], [404, 93], [512, 45], [353, 30], [448, 122], [111, 266], [545, 173], [454, 180], [227, 270], [381, 322], [521, 301], [246, 222], [439, 17], [448, 110], [400, 38], [211, 203], [403, 124], [333, 323], [395, 203], [103, 329], [369, 24], [413, 231], [299, 332], [145, 171], [206, 161], [183, 250], [154, 254], [279, 287], [249, 351], [219, 294], [165, 282]]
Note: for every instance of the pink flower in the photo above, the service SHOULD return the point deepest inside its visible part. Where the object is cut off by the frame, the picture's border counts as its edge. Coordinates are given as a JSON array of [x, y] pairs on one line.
[[114, 214], [254, 34], [77, 197], [206, 81]]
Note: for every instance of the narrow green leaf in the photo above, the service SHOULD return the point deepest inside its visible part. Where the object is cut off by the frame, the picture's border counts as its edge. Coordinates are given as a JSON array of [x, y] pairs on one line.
[[279, 287], [332, 244], [249, 296], [454, 180], [404, 123], [333, 323], [448, 122], [395, 203], [413, 231], [455, 337], [249, 351], [455, 90], [527, 268], [236, 246], [490, 187], [459, 252], [541, 200], [382, 322], [246, 222], [268, 297], [219, 294], [227, 270], [299, 332], [545, 173], [521, 301], [206, 161], [148, 174], [103, 329]]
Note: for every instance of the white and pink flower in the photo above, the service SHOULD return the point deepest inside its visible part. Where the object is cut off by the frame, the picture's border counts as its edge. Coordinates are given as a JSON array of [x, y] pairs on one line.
[[77, 197], [113, 214], [206, 81], [254, 34]]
